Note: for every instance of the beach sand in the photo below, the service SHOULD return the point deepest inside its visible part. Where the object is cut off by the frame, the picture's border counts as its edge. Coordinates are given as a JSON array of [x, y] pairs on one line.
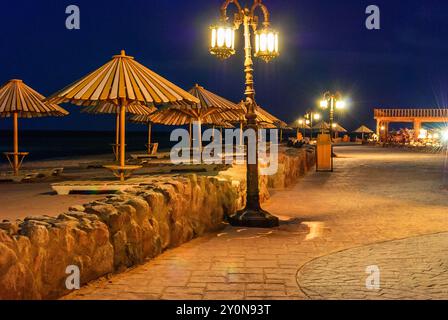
[[19, 200]]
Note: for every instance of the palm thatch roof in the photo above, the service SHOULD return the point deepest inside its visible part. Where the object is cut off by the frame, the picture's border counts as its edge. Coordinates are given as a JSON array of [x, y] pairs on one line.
[[17, 97], [296, 125], [338, 128], [326, 126], [321, 125], [211, 109], [135, 108], [363, 129], [123, 79]]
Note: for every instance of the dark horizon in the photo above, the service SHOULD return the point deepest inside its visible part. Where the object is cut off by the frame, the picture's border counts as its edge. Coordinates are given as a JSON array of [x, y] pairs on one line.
[[324, 45]]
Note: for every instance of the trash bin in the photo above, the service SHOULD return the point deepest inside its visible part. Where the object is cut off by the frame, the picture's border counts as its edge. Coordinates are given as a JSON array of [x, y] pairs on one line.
[[324, 161]]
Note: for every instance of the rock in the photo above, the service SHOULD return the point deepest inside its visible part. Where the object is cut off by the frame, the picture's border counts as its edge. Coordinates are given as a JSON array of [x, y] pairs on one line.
[[11, 228], [78, 208]]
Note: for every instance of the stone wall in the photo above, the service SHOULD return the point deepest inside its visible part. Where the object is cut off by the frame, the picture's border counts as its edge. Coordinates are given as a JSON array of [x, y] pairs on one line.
[[126, 229]]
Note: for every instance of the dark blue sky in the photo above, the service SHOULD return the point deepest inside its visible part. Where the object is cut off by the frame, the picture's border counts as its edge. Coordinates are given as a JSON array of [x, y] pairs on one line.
[[324, 45]]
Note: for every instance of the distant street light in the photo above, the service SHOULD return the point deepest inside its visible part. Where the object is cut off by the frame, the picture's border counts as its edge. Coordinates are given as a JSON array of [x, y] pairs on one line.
[[222, 45], [332, 101], [302, 124], [310, 117]]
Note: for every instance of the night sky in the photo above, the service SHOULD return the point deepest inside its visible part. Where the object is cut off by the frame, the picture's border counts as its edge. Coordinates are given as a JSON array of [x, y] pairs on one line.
[[324, 45]]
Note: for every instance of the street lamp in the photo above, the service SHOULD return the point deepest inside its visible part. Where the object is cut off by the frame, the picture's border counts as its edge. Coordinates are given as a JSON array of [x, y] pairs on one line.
[[222, 45], [301, 123], [310, 117], [332, 101]]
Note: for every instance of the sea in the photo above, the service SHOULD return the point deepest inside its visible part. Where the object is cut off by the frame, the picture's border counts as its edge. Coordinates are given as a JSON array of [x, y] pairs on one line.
[[43, 145], [59, 144]]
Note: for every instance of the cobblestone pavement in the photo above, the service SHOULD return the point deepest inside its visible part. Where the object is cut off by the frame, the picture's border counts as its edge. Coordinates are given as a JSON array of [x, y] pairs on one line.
[[412, 268], [374, 195]]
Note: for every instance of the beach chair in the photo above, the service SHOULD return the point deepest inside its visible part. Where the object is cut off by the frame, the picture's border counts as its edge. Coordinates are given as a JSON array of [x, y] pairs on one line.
[[152, 148]]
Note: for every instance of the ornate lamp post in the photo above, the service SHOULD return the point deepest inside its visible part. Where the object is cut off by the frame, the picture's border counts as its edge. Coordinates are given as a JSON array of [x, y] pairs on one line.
[[332, 101], [266, 48]]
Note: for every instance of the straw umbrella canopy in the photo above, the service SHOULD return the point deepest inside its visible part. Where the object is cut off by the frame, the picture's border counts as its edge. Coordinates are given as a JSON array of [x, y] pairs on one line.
[[211, 109], [135, 108], [121, 82], [322, 125], [363, 130], [338, 128], [296, 125], [20, 101]]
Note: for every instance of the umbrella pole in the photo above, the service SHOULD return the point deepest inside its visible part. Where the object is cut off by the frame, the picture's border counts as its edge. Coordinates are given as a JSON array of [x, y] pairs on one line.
[[191, 138], [117, 136], [200, 139], [213, 133], [16, 144], [122, 139], [149, 137], [241, 133]]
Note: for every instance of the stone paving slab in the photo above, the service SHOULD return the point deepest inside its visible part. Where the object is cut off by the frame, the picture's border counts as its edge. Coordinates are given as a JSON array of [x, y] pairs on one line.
[[412, 268]]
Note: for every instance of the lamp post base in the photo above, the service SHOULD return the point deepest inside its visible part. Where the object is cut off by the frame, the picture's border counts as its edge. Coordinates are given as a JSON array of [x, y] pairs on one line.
[[253, 219]]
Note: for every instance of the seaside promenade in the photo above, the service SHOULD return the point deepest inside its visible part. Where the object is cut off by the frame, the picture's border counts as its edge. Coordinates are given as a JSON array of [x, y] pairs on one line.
[[381, 207]]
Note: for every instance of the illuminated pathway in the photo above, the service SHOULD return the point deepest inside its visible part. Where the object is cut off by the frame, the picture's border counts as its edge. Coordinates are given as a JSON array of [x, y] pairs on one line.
[[375, 195]]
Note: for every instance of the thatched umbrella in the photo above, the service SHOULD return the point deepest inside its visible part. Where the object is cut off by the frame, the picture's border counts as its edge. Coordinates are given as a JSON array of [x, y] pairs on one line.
[[211, 109], [134, 108], [337, 128], [121, 82], [363, 130], [20, 101], [322, 125], [296, 125]]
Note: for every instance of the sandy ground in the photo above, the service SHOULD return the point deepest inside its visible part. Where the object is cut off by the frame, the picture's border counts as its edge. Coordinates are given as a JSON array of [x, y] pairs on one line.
[[19, 200]]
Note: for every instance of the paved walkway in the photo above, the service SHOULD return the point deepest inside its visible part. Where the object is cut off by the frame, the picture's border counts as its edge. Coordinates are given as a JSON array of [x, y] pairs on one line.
[[375, 195], [412, 268]]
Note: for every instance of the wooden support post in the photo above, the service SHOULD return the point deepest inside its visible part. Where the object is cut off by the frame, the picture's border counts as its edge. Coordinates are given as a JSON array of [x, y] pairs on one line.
[[149, 137], [417, 129], [122, 139], [16, 144], [117, 137]]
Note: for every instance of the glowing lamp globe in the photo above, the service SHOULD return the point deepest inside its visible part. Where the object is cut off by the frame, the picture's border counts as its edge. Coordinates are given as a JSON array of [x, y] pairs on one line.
[[445, 135], [324, 104], [340, 104], [222, 42], [266, 44]]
